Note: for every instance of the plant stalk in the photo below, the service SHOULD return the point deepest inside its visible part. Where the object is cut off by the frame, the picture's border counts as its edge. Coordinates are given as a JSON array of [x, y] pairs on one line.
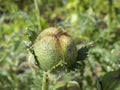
[[110, 16], [45, 82], [37, 14]]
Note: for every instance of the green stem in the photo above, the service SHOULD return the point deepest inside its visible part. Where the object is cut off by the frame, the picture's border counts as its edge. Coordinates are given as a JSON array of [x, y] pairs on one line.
[[37, 14], [110, 15], [45, 82]]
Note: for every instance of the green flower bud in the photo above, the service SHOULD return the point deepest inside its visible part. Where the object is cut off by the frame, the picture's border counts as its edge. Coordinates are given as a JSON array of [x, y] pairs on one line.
[[53, 46]]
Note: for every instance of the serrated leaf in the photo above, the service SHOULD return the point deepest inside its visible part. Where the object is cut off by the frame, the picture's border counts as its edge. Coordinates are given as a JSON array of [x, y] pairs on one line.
[[83, 52], [31, 35]]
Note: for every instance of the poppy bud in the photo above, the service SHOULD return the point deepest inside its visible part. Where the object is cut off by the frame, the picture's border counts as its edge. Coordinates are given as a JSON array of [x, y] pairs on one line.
[[53, 46]]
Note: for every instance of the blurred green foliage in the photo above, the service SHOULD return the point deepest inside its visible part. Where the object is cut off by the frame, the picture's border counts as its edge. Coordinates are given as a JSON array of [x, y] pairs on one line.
[[88, 21]]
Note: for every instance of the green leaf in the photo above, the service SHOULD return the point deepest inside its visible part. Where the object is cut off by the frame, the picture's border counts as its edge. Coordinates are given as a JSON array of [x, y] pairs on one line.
[[81, 56], [31, 35], [83, 52], [60, 86]]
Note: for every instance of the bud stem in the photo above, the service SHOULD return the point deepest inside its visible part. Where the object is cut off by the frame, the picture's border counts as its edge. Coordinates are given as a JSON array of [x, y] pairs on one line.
[[45, 82]]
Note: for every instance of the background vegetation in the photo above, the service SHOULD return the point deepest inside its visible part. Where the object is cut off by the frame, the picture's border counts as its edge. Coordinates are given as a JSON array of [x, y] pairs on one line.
[[88, 21]]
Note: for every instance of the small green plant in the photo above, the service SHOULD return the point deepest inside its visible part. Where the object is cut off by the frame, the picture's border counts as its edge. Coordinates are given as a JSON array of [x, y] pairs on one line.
[[54, 50], [85, 21]]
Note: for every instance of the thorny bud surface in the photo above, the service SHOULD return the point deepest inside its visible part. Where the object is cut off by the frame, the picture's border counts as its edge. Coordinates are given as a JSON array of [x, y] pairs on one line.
[[53, 46]]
